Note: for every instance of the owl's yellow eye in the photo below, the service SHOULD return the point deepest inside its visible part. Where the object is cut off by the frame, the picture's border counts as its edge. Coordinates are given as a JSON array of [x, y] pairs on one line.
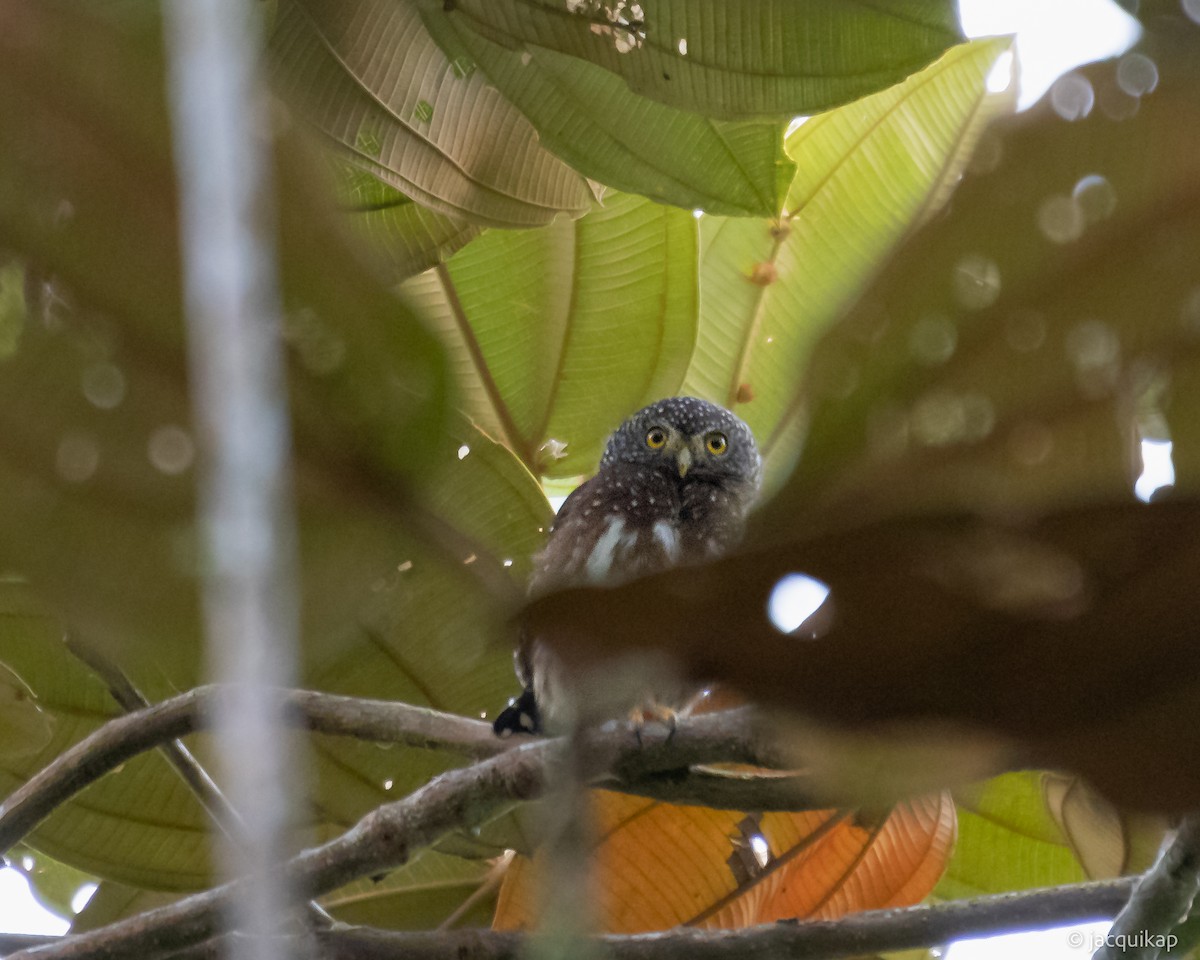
[[656, 438], [716, 444]]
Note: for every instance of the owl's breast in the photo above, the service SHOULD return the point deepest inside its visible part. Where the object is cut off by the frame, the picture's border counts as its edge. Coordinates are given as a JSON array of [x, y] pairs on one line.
[[622, 523]]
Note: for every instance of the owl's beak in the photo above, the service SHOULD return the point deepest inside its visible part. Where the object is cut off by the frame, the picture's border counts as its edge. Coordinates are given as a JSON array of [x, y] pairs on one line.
[[683, 460]]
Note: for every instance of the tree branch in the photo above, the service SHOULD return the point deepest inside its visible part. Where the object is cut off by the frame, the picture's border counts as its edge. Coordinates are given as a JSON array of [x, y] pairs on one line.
[[125, 737], [733, 736], [875, 931], [1161, 900], [391, 835]]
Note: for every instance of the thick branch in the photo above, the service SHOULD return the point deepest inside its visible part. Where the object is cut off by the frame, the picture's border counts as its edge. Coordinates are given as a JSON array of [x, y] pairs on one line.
[[1160, 902], [876, 931], [732, 735]]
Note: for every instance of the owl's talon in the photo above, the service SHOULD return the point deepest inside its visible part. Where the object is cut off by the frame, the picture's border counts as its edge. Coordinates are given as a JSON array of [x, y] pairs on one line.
[[521, 716]]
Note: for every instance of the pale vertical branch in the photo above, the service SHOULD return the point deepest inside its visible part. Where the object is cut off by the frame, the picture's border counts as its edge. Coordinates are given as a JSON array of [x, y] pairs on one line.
[[238, 396]]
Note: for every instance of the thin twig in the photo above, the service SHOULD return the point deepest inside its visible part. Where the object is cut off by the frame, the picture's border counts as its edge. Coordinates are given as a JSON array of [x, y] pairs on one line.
[[189, 769], [1160, 902], [131, 700], [871, 932]]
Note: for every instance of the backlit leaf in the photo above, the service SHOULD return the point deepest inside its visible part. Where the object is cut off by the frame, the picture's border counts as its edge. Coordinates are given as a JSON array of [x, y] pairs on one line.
[[403, 535], [762, 57], [590, 118], [369, 76], [558, 334], [865, 172]]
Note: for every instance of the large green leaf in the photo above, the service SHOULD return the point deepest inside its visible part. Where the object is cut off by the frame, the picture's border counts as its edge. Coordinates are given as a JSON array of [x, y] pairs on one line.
[[1025, 830], [590, 118], [369, 76], [93, 422], [760, 57], [427, 635], [26, 727], [865, 172], [1007, 840], [558, 334]]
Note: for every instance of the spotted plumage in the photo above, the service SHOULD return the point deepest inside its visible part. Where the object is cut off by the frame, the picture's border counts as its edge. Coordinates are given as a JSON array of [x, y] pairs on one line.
[[673, 487]]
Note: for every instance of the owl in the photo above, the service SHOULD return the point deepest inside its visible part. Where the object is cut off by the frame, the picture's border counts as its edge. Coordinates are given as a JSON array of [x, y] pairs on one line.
[[673, 487]]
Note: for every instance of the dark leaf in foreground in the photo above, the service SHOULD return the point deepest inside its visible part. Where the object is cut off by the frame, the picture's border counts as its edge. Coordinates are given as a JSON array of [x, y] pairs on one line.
[[1074, 635]]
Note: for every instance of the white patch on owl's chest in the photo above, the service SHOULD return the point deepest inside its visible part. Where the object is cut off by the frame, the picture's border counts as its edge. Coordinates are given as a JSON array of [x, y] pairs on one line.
[[624, 549]]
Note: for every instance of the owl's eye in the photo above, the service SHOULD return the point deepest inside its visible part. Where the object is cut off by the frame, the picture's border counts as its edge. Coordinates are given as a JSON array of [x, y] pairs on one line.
[[656, 438], [716, 444]]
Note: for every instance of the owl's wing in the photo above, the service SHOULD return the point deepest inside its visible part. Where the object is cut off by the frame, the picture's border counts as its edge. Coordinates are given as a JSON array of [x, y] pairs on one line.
[[562, 561]]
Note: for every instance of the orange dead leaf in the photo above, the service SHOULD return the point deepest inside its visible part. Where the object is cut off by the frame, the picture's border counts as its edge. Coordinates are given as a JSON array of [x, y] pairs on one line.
[[658, 865]]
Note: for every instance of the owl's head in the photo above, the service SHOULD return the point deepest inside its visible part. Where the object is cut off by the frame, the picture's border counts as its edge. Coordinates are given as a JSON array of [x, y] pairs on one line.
[[691, 439]]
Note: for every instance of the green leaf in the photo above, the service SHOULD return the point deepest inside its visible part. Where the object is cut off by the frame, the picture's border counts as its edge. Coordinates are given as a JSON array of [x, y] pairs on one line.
[[368, 75], [426, 634], [559, 333], [114, 901], [1025, 830], [865, 173], [760, 58], [12, 307], [1007, 840], [98, 387], [591, 119]]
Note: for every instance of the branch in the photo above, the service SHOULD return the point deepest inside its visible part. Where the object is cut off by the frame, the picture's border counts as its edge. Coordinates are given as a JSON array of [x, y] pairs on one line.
[[734, 735], [125, 737], [393, 834], [1161, 900], [871, 932]]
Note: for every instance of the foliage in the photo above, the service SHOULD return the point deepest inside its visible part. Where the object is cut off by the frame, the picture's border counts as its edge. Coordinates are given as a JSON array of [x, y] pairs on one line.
[[950, 398]]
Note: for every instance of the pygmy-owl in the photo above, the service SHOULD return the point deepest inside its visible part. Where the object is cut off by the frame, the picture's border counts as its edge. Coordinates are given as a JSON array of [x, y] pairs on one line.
[[673, 487]]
